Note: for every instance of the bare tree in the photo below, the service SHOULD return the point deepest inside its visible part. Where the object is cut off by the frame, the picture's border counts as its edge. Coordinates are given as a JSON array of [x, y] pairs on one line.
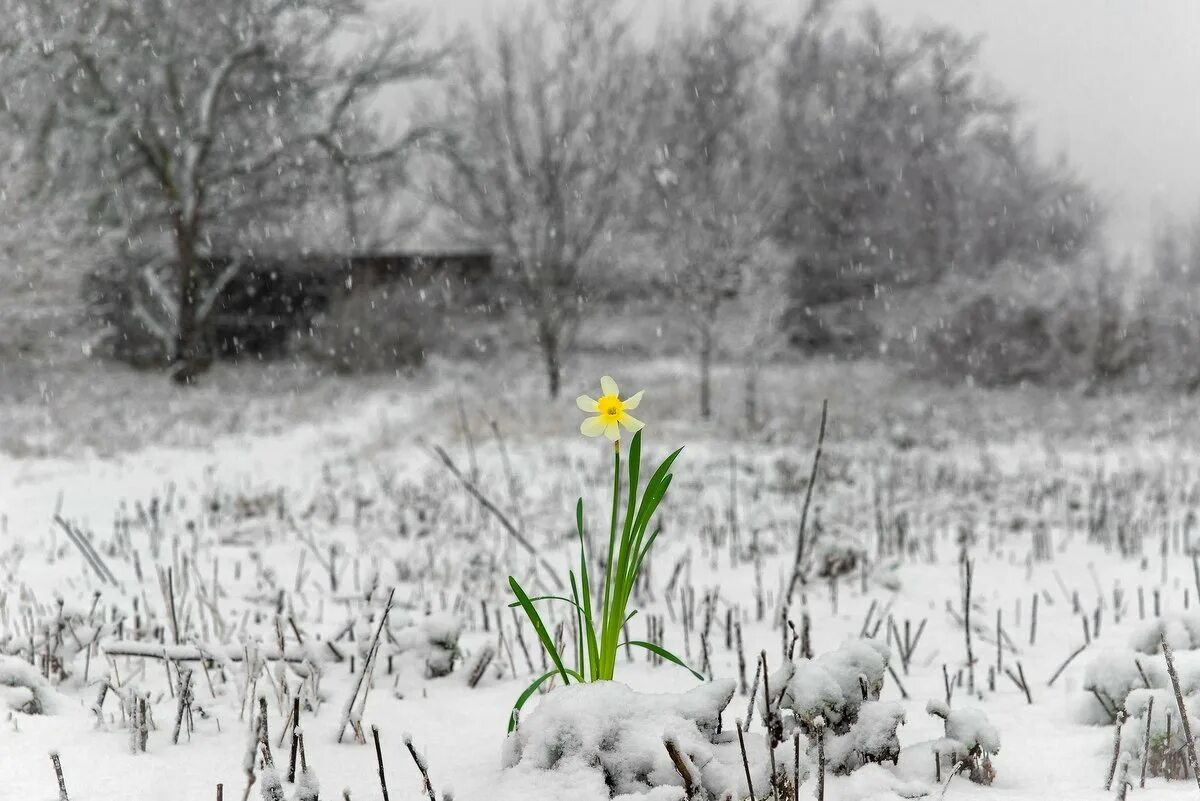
[[712, 177], [548, 120], [180, 124], [904, 165]]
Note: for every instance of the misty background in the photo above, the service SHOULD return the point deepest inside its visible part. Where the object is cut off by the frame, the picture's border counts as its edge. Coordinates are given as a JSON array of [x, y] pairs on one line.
[[268, 195], [1101, 81]]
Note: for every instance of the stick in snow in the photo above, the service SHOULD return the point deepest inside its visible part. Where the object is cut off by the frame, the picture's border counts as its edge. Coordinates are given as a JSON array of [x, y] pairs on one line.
[[691, 788], [820, 726], [1183, 714], [495, 511], [379, 760], [745, 759], [1063, 666], [1112, 768], [1146, 744], [421, 766], [796, 767], [62, 784], [812, 479], [295, 738], [368, 663]]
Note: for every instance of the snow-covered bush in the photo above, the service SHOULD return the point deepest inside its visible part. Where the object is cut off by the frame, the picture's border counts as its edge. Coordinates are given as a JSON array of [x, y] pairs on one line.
[[813, 693], [1167, 752], [970, 738], [1114, 674], [1004, 330], [842, 688], [873, 738], [836, 559], [23, 689], [607, 729], [1108, 679], [1182, 632], [436, 639], [855, 664]]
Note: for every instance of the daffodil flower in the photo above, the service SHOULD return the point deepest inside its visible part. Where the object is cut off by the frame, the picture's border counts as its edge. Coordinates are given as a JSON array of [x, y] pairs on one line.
[[610, 412], [600, 603]]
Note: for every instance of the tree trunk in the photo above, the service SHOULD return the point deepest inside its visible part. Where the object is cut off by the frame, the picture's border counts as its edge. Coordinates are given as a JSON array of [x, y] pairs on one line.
[[550, 356], [350, 210], [750, 401], [706, 353], [187, 360]]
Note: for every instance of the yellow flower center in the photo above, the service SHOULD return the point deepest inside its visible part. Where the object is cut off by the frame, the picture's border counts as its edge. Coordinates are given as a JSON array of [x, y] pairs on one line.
[[610, 408]]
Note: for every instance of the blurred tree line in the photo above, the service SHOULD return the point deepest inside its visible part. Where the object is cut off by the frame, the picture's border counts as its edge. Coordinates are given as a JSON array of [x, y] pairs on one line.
[[765, 186]]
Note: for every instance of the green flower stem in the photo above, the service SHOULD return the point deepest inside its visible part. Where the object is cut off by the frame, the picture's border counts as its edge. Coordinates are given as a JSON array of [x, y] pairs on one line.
[[606, 672], [596, 651]]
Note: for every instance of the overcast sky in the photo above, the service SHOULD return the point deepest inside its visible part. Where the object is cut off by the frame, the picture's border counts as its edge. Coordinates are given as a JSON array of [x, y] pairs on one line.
[[1114, 83]]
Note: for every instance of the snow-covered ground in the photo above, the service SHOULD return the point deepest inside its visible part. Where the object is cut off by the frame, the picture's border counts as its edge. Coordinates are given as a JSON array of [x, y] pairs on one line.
[[236, 520]]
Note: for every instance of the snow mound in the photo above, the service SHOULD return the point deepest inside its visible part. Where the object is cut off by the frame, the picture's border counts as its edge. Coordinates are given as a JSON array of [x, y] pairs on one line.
[[1167, 747], [836, 684], [1181, 630], [812, 693], [872, 739], [836, 696], [615, 735], [1115, 675], [873, 783], [970, 737], [23, 689]]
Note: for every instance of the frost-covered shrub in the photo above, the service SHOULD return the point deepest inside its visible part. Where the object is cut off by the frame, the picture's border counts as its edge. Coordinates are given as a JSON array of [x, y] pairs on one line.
[[307, 786], [1181, 631], [1114, 674], [608, 729], [872, 738], [841, 688], [778, 683], [1002, 331], [813, 693], [1166, 756], [833, 684], [970, 738], [270, 785], [1108, 679], [835, 559], [23, 689], [436, 638], [855, 666], [113, 293]]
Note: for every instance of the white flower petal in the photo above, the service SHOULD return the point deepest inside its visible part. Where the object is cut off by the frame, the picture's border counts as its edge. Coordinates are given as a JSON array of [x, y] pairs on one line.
[[585, 403], [613, 432], [592, 427], [607, 385], [633, 400], [631, 423]]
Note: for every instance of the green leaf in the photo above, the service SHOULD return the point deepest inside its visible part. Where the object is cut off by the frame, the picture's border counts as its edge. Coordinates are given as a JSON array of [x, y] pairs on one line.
[[635, 466], [537, 598], [540, 628], [656, 488], [644, 518], [641, 557], [664, 653], [529, 691], [612, 534], [587, 628], [578, 622]]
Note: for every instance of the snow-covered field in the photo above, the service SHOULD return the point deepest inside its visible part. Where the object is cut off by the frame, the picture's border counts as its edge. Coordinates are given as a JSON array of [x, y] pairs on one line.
[[259, 524]]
